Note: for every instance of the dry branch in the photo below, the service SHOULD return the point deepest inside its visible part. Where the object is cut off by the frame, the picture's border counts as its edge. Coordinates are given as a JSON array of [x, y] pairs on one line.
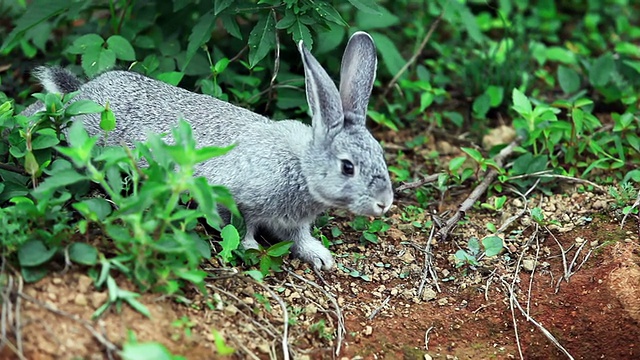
[[413, 58], [416, 184], [490, 175]]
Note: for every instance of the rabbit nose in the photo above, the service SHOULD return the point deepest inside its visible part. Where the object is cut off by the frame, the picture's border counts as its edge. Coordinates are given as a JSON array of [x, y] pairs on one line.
[[383, 207]]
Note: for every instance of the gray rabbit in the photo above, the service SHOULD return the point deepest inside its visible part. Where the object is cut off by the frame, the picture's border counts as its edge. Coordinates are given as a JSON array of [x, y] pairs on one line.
[[282, 174]]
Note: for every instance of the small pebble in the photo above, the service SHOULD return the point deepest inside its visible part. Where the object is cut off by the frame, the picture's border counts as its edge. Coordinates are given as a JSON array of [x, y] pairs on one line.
[[528, 264]]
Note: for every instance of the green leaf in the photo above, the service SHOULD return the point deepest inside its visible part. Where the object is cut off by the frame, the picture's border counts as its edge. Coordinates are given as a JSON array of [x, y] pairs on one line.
[[569, 79], [200, 34], [635, 65], [59, 180], [255, 274], [34, 253], [221, 347], [230, 24], [230, 242], [456, 163], [86, 43], [464, 258], [492, 245], [107, 120], [521, 103], [171, 77], [426, 99], [329, 13], [474, 245], [146, 350], [384, 20], [261, 39], [481, 105], [121, 47], [300, 31], [37, 12], [601, 70], [287, 20], [194, 276], [221, 65], [220, 5], [391, 57], [31, 165], [138, 306], [496, 94], [208, 152], [368, 6], [44, 141], [561, 55], [475, 154], [84, 254], [84, 106], [33, 274], [100, 207], [280, 249], [98, 60]]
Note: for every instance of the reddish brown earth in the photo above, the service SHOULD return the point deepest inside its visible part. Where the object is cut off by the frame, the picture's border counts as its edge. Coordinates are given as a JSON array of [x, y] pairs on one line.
[[594, 315]]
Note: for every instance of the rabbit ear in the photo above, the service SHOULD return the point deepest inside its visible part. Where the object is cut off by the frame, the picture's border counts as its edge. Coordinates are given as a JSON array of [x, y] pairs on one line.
[[323, 97], [358, 72]]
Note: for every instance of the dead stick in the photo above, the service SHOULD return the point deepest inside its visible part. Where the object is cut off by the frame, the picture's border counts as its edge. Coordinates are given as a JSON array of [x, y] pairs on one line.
[[413, 58], [14, 169], [479, 190], [416, 184], [87, 325]]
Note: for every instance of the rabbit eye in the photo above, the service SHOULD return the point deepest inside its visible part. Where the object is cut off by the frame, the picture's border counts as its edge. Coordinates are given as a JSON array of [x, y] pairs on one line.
[[347, 168]]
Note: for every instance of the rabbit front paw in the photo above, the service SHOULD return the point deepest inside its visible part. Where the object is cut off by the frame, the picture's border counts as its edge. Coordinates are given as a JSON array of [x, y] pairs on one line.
[[250, 243], [314, 253]]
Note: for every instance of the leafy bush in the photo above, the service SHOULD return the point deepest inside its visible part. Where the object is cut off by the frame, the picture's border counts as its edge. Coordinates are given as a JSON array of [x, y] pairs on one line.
[[143, 211]]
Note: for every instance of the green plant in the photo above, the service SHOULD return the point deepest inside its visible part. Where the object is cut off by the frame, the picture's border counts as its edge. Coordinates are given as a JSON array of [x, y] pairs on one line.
[[321, 329], [370, 229], [134, 350], [624, 196], [498, 204], [119, 296], [473, 254], [185, 324]]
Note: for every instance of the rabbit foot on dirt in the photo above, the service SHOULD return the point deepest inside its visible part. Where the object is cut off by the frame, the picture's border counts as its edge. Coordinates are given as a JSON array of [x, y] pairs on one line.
[[312, 251]]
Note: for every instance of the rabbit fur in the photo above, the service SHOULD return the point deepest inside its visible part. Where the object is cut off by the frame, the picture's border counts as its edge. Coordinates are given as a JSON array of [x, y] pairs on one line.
[[282, 174]]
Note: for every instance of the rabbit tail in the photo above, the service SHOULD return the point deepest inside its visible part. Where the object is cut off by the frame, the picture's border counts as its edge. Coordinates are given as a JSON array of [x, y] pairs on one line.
[[57, 80]]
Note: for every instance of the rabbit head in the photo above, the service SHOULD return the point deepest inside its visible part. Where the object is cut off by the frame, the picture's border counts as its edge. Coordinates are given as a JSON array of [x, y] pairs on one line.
[[345, 165]]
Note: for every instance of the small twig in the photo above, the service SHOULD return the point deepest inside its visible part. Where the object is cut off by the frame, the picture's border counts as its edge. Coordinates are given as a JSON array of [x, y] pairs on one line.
[[416, 184], [514, 301], [241, 345], [276, 63], [428, 264], [267, 328], [515, 217], [377, 310], [426, 338], [124, 12], [548, 174], [285, 315], [533, 271], [87, 325], [490, 175], [340, 328], [239, 54], [14, 169], [413, 58], [635, 205], [17, 323]]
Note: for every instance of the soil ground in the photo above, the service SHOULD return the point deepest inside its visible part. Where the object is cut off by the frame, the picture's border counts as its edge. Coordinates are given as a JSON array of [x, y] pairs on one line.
[[595, 314]]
